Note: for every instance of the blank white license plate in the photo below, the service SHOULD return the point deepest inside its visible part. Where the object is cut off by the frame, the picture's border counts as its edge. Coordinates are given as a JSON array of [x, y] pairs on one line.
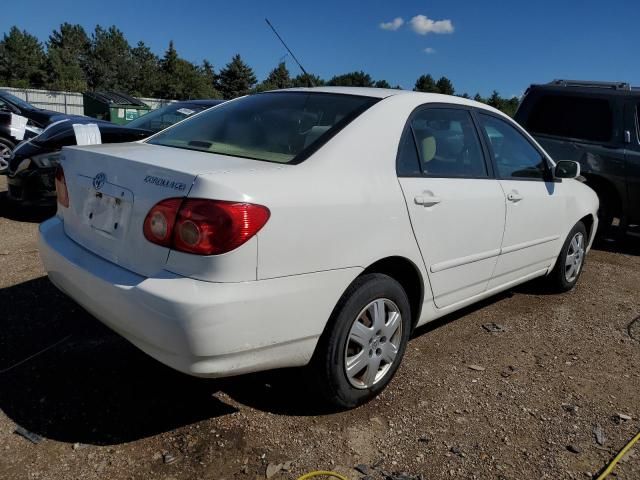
[[107, 214]]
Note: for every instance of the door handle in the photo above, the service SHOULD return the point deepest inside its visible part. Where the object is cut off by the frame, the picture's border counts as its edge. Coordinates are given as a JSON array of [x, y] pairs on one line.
[[514, 196], [428, 200]]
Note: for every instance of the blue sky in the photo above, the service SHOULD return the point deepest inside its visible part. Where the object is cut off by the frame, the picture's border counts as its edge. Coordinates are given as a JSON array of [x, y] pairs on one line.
[[480, 46]]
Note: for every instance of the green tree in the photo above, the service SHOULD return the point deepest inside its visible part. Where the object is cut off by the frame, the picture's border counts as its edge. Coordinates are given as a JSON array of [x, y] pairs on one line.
[[445, 86], [67, 56], [307, 80], [169, 82], [278, 78], [382, 84], [478, 98], [210, 80], [510, 105], [352, 79], [22, 60], [192, 82], [181, 79], [145, 78], [110, 65], [495, 100], [236, 78], [426, 83], [465, 95]]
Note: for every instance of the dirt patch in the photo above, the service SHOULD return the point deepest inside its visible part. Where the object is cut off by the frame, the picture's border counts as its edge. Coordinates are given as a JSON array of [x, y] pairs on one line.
[[557, 367]]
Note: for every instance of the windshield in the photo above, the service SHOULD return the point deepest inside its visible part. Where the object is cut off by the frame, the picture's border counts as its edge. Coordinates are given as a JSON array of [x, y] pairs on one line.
[[283, 127], [16, 101], [166, 116]]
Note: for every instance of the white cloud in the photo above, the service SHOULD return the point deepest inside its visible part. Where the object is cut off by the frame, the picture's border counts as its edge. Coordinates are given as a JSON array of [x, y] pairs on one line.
[[422, 25], [429, 50], [393, 25]]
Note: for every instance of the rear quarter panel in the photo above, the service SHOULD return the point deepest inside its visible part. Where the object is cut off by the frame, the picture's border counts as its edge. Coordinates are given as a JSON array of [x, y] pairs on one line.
[[340, 208]]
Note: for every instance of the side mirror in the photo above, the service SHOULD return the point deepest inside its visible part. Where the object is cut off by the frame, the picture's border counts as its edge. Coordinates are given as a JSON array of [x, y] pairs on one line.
[[567, 169]]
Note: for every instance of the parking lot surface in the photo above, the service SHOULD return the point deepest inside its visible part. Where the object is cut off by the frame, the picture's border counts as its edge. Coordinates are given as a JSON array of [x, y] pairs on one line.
[[524, 385]]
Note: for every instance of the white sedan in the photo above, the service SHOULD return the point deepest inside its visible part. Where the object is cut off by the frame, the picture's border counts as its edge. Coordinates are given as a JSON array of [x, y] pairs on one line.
[[311, 226]]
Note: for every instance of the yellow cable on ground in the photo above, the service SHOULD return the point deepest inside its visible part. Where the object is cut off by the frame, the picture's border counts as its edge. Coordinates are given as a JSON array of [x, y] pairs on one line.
[[602, 476], [321, 473], [617, 458]]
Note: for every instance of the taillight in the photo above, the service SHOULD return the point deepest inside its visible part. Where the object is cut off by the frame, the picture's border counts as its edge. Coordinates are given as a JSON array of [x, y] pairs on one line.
[[158, 226], [203, 227], [61, 188]]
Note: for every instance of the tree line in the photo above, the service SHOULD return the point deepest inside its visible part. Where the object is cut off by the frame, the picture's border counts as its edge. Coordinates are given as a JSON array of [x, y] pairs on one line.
[[73, 60]]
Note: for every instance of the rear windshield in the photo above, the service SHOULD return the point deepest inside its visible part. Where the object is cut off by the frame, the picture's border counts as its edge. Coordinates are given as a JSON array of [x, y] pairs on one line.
[[283, 127], [567, 116]]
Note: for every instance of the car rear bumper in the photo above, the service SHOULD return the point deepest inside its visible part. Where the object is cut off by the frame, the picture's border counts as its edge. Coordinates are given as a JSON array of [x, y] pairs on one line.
[[34, 187], [197, 327]]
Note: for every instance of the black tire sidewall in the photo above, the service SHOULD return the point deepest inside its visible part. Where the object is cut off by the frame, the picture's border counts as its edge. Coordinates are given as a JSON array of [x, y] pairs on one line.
[[364, 290]]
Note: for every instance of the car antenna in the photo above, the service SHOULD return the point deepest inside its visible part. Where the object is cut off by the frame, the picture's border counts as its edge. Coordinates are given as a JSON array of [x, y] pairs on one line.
[[309, 79]]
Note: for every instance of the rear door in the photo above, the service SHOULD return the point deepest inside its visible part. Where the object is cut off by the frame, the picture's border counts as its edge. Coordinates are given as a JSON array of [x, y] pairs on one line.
[[535, 201], [456, 206]]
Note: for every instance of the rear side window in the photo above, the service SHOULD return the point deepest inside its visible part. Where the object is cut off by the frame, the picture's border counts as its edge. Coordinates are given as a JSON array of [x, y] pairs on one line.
[[568, 116], [515, 157], [441, 142], [283, 127]]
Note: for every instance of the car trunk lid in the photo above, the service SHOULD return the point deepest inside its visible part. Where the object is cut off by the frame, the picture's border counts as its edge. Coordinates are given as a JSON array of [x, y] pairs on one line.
[[113, 187]]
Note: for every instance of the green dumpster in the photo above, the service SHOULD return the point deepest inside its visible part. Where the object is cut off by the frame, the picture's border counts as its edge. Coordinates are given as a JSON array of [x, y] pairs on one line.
[[113, 106]]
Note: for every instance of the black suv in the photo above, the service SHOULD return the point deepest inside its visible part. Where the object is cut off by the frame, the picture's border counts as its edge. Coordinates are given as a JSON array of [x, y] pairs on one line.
[[596, 124]]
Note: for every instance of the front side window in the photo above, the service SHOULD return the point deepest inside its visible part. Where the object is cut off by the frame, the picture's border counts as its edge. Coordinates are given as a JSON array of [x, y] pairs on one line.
[[447, 145], [278, 127], [568, 116], [514, 155]]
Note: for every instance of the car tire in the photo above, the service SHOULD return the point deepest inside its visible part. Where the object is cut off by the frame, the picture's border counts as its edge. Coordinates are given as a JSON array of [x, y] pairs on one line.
[[6, 147], [364, 342], [570, 262]]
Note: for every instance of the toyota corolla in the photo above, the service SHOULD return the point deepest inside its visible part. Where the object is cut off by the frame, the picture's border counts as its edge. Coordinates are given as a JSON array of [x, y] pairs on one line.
[[311, 227]]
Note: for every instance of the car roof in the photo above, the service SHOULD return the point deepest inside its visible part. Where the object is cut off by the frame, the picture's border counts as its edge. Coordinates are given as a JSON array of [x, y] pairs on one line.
[[418, 97], [208, 102], [361, 91], [585, 88]]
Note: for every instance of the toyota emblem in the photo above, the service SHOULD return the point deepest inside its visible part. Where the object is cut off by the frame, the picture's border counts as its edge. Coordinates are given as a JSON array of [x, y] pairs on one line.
[[99, 180]]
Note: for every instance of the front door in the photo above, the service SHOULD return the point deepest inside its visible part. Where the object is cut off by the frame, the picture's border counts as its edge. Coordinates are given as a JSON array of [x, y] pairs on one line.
[[535, 202], [456, 206]]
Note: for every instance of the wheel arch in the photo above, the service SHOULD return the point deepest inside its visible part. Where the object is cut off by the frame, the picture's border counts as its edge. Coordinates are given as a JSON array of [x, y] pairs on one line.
[[408, 275], [588, 222]]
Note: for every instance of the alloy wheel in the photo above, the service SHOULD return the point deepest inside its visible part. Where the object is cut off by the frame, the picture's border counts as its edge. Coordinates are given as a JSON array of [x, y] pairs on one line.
[[5, 156], [575, 257], [373, 343]]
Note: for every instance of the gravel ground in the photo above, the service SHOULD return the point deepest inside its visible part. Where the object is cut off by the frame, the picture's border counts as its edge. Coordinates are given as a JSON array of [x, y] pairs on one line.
[[536, 400]]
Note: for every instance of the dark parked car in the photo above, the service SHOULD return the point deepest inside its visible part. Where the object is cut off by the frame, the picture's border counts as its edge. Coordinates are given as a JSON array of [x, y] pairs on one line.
[[7, 139], [596, 124], [37, 119], [31, 171]]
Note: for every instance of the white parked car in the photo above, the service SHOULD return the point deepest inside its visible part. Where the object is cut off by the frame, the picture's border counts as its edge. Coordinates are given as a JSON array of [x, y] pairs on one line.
[[311, 226]]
